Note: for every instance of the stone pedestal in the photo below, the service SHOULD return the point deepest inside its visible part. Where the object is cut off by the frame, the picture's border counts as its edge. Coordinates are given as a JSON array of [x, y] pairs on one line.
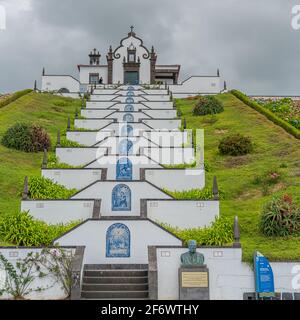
[[194, 283]]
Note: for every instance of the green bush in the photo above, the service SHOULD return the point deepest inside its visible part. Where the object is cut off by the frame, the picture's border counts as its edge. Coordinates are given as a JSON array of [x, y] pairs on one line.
[[269, 114], [280, 217], [4, 102], [235, 145], [42, 188], [220, 233], [21, 229], [26, 137], [195, 194], [65, 143], [207, 105]]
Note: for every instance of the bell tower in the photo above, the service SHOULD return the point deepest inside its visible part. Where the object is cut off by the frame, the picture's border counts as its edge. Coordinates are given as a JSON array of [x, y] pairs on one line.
[[94, 58]]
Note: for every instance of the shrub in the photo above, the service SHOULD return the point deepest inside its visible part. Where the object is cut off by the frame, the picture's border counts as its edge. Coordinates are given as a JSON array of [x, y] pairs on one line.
[[195, 194], [4, 102], [65, 143], [21, 229], [280, 217], [220, 233], [207, 105], [235, 145], [25, 137], [268, 179], [42, 188], [269, 114]]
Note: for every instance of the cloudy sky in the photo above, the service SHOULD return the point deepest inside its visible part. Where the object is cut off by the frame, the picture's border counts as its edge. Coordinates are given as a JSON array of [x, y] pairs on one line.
[[251, 41]]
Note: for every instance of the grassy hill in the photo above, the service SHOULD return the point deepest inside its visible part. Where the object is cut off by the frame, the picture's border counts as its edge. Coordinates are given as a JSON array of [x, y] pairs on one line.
[[51, 112], [274, 149]]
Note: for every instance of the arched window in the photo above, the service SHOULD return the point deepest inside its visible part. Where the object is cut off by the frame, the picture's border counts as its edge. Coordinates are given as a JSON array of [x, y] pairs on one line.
[[124, 169], [118, 241], [63, 90], [125, 147], [121, 198], [128, 117]]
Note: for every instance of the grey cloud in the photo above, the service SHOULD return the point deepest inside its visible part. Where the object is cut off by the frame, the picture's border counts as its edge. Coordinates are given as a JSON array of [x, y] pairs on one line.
[[251, 41]]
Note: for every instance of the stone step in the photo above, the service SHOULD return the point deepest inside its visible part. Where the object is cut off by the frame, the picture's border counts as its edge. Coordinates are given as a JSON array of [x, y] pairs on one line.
[[115, 266], [115, 287], [114, 294], [112, 280], [115, 273]]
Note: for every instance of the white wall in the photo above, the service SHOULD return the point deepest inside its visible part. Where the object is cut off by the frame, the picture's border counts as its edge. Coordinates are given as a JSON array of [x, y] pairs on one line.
[[54, 83], [163, 124], [53, 293], [108, 98], [170, 156], [79, 156], [157, 97], [159, 105], [110, 162], [73, 178], [97, 113], [229, 277], [196, 85], [161, 114], [174, 138], [103, 190], [177, 179], [84, 74], [113, 144], [100, 104], [118, 70], [88, 138], [92, 234], [183, 214], [59, 211], [91, 124]]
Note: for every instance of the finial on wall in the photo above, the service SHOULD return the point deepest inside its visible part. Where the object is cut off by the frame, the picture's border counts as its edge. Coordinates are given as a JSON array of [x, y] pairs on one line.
[[215, 189], [45, 159], [236, 233], [25, 189], [218, 72]]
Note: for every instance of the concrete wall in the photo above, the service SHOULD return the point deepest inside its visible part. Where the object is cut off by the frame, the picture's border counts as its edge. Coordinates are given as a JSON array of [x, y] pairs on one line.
[[54, 83], [88, 138], [170, 156], [100, 104], [176, 179], [174, 138], [110, 162], [59, 211], [79, 156], [159, 105], [73, 178], [91, 124], [163, 124], [196, 85], [161, 114], [157, 97], [53, 293], [103, 190], [118, 70], [229, 277], [143, 233], [183, 214], [84, 74], [97, 113]]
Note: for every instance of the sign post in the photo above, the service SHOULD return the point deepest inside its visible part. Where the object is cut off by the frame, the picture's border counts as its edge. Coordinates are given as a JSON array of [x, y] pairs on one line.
[[264, 278]]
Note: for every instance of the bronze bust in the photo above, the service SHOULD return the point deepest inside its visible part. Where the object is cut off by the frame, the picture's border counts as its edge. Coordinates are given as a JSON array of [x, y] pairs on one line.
[[192, 258]]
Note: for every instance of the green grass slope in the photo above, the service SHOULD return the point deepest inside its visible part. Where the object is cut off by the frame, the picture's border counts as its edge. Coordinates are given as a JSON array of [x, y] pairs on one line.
[[274, 147], [49, 111]]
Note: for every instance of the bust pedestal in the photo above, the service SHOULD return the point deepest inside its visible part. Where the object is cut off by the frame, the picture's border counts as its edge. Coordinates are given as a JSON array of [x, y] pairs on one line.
[[194, 283]]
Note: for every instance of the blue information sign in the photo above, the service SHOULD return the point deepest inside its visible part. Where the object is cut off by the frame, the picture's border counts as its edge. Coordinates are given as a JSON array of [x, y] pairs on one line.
[[264, 278]]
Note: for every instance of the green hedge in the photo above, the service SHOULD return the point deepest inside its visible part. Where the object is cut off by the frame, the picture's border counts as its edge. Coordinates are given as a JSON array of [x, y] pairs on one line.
[[15, 96], [270, 115]]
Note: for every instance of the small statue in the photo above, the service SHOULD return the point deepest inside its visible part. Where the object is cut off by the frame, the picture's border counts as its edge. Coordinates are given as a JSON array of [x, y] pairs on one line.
[[192, 258]]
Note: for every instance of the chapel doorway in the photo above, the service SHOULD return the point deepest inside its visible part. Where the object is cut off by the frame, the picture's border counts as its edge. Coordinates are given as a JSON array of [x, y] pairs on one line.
[[131, 77]]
